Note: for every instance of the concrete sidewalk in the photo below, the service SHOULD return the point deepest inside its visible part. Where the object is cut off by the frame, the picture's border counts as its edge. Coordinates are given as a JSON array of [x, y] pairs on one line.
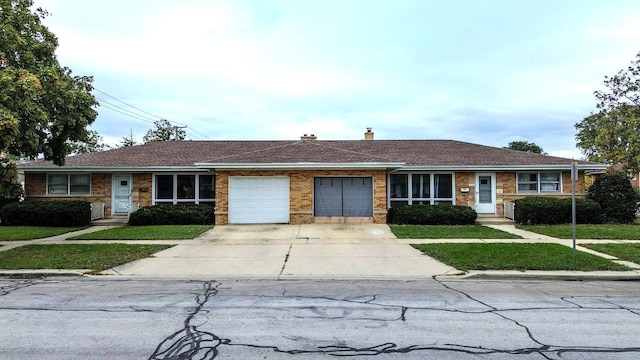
[[310, 251]]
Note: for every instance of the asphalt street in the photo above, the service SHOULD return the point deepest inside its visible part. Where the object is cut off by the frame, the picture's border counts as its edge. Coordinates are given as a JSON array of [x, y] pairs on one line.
[[88, 318]]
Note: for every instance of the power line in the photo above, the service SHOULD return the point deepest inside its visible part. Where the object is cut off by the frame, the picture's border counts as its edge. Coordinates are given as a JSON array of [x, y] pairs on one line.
[[118, 100], [134, 115], [124, 111]]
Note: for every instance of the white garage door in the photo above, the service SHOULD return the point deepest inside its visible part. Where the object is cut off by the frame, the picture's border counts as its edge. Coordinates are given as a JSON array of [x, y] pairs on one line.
[[258, 199]]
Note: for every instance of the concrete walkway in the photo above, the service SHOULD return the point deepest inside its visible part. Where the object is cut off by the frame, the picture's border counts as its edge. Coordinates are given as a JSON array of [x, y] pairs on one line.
[[310, 251]]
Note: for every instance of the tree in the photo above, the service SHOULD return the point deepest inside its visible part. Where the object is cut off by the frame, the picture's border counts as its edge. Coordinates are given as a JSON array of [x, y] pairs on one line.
[[128, 141], [616, 196], [44, 109], [163, 132], [93, 143], [10, 188], [525, 146], [612, 134]]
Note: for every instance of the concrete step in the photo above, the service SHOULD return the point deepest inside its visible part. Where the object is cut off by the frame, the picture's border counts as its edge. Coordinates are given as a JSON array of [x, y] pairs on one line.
[[493, 220], [112, 221]]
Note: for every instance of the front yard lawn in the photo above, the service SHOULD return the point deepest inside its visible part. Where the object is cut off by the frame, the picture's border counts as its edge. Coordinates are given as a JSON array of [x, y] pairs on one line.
[[449, 232], [587, 231], [97, 257], [15, 233], [515, 256], [628, 252], [151, 232]]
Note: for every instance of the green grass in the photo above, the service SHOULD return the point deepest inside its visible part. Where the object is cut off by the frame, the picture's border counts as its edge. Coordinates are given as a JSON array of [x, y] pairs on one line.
[[628, 252], [16, 233], [515, 256], [151, 232], [97, 257], [587, 231], [449, 232]]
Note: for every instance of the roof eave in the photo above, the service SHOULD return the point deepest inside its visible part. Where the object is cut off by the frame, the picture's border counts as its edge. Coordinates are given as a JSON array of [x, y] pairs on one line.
[[542, 167], [301, 166], [109, 169]]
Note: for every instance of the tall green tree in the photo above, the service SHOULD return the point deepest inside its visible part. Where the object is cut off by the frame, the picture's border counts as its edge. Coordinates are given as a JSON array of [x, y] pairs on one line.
[[94, 142], [525, 146], [44, 108], [612, 134], [164, 131]]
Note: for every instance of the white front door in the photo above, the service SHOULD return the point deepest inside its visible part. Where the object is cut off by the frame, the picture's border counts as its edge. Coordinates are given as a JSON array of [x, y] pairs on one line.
[[486, 193], [121, 194]]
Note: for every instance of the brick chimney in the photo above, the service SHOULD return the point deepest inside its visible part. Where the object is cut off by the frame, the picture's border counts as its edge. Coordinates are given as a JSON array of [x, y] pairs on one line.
[[306, 137], [369, 134]]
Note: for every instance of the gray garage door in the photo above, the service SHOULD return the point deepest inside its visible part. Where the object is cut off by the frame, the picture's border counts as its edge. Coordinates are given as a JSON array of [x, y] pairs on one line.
[[343, 196]]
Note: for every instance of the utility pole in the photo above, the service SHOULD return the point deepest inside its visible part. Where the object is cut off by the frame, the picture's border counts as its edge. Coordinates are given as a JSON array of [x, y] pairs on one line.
[[175, 131]]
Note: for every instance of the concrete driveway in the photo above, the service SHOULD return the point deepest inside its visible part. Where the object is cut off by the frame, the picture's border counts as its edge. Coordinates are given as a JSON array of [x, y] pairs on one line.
[[290, 251]]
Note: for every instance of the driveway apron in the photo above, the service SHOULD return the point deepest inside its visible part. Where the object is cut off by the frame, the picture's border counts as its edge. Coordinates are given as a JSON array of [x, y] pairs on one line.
[[290, 251]]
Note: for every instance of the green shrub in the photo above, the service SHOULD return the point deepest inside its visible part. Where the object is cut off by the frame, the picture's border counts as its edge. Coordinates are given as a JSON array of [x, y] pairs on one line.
[[3, 202], [180, 214], [431, 215], [47, 213], [616, 196], [540, 210], [587, 211]]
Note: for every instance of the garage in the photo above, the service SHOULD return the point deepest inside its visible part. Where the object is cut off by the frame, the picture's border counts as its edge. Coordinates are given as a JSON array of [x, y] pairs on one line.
[[258, 199], [343, 196]]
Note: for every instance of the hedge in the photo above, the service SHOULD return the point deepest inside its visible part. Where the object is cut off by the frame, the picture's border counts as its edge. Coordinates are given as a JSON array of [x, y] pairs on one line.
[[47, 213], [431, 215], [616, 196], [549, 211], [180, 214]]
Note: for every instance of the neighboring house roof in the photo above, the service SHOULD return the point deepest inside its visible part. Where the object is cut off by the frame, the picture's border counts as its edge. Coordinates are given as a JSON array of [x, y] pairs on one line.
[[389, 154]]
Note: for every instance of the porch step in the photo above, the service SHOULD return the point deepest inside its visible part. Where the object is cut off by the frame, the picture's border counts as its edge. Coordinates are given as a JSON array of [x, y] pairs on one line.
[[493, 220], [112, 221]]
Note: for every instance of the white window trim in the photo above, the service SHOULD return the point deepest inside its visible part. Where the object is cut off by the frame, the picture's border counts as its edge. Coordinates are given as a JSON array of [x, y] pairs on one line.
[[68, 193], [175, 200], [539, 182], [432, 200]]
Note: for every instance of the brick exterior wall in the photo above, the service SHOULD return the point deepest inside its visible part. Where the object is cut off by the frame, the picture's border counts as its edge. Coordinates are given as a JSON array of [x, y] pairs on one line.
[[36, 189], [142, 191], [506, 188], [301, 192]]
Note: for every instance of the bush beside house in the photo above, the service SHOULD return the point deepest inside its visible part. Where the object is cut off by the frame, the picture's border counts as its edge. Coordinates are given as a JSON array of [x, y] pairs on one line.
[[431, 215], [540, 210], [47, 213], [180, 214]]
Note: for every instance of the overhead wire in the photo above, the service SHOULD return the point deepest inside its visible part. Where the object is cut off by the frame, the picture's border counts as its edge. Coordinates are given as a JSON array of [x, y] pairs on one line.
[[113, 107]]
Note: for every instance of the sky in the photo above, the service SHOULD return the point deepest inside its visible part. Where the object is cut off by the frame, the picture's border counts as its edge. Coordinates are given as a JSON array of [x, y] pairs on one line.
[[485, 72]]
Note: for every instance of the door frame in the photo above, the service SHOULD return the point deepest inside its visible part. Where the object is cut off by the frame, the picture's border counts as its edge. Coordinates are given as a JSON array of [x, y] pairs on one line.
[[486, 208], [113, 193]]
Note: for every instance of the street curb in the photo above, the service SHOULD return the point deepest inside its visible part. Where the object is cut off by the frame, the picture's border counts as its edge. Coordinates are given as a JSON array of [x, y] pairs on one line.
[[40, 274], [584, 276]]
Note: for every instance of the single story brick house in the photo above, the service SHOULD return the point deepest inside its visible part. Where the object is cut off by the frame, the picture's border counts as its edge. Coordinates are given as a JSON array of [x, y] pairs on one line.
[[303, 181]]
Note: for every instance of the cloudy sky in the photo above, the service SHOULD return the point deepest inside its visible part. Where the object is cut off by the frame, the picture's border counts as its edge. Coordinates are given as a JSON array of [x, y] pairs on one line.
[[486, 72]]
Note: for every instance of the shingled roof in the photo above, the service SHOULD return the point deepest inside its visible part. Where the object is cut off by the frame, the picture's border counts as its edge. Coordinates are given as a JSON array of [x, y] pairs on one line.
[[408, 153]]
